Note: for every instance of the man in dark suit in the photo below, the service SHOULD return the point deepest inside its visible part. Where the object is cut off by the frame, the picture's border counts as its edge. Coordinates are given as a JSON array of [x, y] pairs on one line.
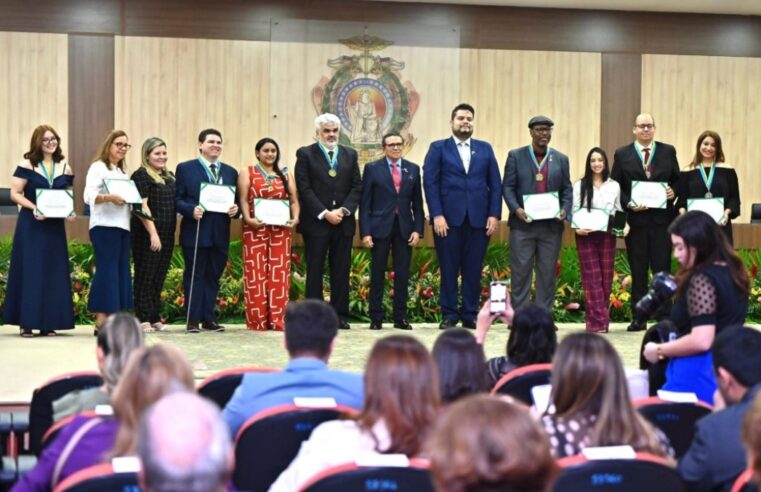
[[648, 244], [391, 218], [329, 185], [462, 189], [204, 236], [532, 169]]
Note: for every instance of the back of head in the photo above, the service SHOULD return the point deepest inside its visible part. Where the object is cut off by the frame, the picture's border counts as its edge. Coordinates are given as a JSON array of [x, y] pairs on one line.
[[461, 364], [310, 327], [738, 351], [184, 446], [533, 336], [483, 443], [119, 336]]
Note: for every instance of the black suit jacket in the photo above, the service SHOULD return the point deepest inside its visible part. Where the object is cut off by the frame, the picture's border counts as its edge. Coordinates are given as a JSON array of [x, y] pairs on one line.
[[318, 191], [380, 200], [627, 167]]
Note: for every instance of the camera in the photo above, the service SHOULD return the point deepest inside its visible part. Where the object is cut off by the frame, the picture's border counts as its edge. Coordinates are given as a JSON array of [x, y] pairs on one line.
[[662, 288]]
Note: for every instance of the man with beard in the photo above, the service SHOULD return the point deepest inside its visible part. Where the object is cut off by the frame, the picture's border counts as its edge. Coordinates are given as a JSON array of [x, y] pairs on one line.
[[457, 173]]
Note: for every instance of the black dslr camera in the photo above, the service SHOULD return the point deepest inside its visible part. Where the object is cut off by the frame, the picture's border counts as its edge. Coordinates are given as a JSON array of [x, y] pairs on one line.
[[662, 288]]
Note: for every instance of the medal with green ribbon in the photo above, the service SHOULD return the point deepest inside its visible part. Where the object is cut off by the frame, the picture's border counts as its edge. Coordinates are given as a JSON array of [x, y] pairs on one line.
[[708, 180], [332, 161], [539, 176], [212, 178], [269, 178], [48, 177], [646, 166]]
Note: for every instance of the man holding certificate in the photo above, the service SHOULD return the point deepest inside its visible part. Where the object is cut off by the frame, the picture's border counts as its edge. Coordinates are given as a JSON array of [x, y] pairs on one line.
[[206, 200], [647, 172], [538, 192]]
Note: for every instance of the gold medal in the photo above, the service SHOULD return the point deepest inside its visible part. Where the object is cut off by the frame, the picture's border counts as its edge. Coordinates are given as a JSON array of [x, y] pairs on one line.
[[332, 173], [709, 195], [540, 177]]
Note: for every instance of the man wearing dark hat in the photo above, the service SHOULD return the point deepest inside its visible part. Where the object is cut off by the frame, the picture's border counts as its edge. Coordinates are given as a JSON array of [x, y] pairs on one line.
[[534, 169]]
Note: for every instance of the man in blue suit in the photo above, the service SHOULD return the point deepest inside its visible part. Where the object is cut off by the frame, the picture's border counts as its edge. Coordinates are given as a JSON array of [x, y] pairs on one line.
[[532, 169], [391, 218], [213, 232], [462, 189]]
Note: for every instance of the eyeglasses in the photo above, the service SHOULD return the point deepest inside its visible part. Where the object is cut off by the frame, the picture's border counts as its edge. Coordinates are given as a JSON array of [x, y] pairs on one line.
[[645, 127], [395, 145], [49, 140], [122, 146], [542, 129]]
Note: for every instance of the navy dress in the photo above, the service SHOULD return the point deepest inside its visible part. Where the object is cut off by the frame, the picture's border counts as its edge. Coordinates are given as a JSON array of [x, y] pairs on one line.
[[38, 295]]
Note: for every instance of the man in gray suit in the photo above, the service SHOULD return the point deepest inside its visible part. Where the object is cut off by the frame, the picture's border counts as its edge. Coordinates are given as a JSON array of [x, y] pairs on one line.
[[532, 169]]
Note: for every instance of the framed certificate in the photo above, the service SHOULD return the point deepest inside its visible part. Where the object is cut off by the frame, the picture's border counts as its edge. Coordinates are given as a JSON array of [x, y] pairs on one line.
[[125, 188], [55, 204], [216, 198], [590, 219], [541, 206], [712, 206], [651, 194], [272, 211]]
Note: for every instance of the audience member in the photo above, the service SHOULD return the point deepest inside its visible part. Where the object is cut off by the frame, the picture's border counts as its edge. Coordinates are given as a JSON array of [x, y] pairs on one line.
[[751, 433], [484, 444], [716, 456], [311, 327], [401, 405], [461, 364], [184, 446]]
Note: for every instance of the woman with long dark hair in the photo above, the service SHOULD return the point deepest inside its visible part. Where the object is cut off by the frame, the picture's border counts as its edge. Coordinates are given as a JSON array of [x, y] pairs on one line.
[[461, 364], [712, 295], [597, 249], [266, 247]]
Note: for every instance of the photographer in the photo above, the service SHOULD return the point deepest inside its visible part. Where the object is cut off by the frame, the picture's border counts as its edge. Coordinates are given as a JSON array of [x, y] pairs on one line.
[[712, 295]]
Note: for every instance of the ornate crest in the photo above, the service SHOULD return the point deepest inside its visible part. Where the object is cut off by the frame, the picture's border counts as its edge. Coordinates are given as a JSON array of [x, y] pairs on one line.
[[366, 93]]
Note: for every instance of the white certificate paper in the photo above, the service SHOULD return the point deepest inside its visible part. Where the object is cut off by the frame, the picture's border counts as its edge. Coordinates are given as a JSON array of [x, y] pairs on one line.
[[125, 188], [712, 206], [590, 219], [216, 198], [541, 206], [651, 194], [272, 211], [55, 204]]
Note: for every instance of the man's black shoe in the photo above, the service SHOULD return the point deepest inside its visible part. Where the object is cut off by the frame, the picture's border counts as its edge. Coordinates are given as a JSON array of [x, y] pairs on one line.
[[344, 325], [469, 324], [192, 327], [212, 326], [402, 324], [447, 323], [376, 325], [635, 326]]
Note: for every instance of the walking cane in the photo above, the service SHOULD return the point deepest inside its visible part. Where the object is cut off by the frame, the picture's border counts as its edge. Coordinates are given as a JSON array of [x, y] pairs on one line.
[[192, 273]]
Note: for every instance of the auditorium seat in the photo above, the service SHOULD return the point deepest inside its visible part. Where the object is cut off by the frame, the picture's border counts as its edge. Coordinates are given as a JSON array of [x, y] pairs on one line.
[[744, 482], [54, 429], [220, 386], [518, 382], [100, 478], [350, 477], [646, 472], [675, 419]]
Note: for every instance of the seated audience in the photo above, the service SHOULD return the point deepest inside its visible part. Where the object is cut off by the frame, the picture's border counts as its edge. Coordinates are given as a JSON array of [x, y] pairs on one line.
[[401, 405], [592, 403], [751, 433], [484, 444], [117, 338], [311, 327], [716, 456], [150, 374], [184, 446], [461, 364]]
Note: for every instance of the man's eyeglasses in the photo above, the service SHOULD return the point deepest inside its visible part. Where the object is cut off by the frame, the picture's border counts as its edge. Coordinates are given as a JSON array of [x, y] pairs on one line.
[[395, 145], [645, 127]]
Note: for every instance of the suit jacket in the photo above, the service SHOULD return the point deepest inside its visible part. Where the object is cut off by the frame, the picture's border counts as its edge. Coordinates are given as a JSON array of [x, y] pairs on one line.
[[215, 227], [450, 192], [318, 191], [520, 179], [380, 200], [627, 167]]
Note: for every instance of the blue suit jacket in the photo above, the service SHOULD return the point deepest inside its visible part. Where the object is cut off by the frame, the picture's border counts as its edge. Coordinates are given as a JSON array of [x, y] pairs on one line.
[[380, 200], [520, 179], [450, 192], [215, 227], [301, 377]]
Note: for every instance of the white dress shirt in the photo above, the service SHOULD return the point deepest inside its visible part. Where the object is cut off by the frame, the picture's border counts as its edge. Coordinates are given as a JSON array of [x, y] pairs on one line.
[[105, 214], [463, 148], [607, 196]]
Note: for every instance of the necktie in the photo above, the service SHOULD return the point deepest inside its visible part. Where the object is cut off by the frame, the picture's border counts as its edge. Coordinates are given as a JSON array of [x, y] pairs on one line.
[[330, 156], [646, 161], [396, 175], [213, 168]]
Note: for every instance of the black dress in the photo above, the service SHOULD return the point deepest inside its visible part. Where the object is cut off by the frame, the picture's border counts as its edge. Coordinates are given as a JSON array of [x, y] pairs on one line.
[[724, 186], [151, 267], [38, 295]]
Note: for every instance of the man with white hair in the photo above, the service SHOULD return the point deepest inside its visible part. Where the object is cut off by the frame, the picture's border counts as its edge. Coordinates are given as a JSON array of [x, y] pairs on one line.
[[184, 446], [329, 186]]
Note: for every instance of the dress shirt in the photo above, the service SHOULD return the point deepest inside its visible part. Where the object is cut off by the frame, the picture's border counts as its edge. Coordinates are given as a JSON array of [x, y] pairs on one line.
[[463, 148], [641, 149], [105, 214], [607, 196]]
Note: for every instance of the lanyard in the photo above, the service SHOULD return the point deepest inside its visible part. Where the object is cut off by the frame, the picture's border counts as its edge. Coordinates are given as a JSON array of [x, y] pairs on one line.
[[334, 161], [708, 180], [536, 163], [209, 174], [642, 157], [50, 178]]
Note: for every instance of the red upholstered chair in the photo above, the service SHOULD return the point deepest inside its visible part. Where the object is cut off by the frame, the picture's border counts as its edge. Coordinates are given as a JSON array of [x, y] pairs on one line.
[[220, 386], [646, 472], [518, 382], [100, 478], [350, 477], [676, 420], [744, 482]]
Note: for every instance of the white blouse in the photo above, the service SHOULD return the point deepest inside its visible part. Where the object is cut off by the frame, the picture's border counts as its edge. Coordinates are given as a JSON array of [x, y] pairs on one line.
[[105, 214], [607, 196]]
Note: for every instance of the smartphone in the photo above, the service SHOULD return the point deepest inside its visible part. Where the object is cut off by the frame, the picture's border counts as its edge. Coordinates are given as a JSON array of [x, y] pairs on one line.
[[498, 297]]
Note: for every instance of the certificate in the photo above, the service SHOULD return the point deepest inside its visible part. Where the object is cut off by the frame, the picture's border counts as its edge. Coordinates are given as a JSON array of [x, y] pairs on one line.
[[651, 194], [272, 211], [125, 188], [540, 206], [55, 204], [590, 219], [712, 206], [216, 198]]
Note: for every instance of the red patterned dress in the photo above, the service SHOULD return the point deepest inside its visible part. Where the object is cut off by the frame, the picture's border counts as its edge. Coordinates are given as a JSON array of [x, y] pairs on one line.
[[266, 260]]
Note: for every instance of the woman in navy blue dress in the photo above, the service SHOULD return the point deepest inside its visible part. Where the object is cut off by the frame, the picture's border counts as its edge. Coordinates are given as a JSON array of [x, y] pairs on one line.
[[38, 295]]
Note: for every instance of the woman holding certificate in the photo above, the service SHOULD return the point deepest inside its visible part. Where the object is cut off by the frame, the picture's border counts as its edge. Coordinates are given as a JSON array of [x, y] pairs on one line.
[[39, 259], [710, 185], [111, 288], [270, 210], [596, 198]]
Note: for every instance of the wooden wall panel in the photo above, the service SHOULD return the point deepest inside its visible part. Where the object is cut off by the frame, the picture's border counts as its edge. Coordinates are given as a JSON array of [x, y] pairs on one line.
[[33, 90], [621, 99]]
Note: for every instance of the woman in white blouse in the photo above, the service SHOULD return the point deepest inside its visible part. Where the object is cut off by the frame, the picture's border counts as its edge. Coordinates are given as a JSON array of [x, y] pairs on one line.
[[597, 249], [111, 288]]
